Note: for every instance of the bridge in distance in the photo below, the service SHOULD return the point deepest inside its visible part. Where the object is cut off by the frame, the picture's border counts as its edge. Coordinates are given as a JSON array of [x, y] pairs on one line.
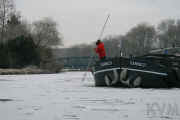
[[79, 63]]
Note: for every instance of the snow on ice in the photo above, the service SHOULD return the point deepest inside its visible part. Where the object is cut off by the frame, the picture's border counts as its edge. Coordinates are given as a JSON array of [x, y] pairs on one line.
[[65, 96]]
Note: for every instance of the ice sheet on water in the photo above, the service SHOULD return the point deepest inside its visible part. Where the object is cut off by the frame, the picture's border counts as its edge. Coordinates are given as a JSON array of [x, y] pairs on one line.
[[65, 96]]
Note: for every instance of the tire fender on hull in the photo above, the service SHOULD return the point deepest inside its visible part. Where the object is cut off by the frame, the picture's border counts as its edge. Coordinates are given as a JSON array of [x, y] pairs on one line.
[[130, 80], [111, 79]]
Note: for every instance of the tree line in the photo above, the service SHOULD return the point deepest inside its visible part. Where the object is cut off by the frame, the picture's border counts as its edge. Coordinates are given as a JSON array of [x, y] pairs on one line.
[[139, 40], [23, 43]]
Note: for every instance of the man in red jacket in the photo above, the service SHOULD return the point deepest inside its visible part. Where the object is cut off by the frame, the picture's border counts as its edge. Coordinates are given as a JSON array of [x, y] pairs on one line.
[[100, 50]]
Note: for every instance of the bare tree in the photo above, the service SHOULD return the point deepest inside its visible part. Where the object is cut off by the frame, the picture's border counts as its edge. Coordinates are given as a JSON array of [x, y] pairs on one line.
[[178, 31], [45, 33], [139, 40], [112, 45], [6, 8], [16, 27], [168, 33]]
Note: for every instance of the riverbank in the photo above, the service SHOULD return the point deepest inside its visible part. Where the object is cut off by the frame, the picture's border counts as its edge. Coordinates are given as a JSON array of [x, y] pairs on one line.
[[23, 71]]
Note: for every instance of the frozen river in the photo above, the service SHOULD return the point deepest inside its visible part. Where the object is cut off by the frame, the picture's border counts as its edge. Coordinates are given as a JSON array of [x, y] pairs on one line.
[[65, 97]]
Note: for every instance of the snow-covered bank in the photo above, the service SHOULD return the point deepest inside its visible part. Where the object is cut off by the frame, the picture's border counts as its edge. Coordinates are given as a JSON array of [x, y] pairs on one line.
[[65, 97], [23, 71]]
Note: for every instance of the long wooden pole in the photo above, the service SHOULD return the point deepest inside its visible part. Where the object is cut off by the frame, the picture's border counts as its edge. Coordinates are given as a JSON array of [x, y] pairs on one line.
[[92, 57], [104, 26]]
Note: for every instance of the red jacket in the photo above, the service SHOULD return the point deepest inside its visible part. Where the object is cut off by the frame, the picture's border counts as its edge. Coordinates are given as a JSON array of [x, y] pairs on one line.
[[100, 50]]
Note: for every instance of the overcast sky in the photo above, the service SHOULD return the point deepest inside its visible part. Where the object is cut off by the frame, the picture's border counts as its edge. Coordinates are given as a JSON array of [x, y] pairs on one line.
[[80, 21]]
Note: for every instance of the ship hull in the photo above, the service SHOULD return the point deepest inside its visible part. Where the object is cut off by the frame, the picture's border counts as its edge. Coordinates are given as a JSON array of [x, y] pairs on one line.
[[132, 73]]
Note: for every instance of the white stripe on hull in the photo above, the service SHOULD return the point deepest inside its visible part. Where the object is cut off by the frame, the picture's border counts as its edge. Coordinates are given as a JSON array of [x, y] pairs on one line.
[[110, 69], [137, 70]]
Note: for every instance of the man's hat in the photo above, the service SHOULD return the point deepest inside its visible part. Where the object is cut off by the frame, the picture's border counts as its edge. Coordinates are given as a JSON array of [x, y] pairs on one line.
[[98, 41]]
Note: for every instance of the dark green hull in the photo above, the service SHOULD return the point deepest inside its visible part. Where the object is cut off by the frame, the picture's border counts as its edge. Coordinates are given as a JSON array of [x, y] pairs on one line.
[[141, 72]]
